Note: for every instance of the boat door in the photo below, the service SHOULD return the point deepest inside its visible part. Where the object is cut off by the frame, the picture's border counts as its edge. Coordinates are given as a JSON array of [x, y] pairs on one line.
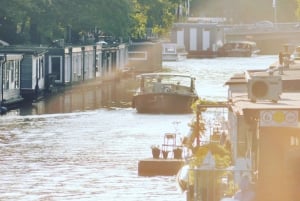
[[205, 40], [180, 38], [56, 68], [193, 39], [292, 169]]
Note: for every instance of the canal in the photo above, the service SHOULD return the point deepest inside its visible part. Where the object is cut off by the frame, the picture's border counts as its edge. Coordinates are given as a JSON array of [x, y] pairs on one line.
[[85, 143]]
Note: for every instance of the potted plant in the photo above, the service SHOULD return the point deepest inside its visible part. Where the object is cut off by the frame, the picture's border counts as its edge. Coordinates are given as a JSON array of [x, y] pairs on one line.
[[165, 154], [155, 151], [177, 153]]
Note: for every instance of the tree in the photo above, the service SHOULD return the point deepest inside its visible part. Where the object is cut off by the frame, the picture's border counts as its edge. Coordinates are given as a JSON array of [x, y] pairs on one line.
[[244, 11], [44, 20], [41, 21], [155, 15]]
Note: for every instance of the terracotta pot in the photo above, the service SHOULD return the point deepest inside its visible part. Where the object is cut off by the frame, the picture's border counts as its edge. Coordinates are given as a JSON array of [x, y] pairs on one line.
[[165, 154], [177, 153], [155, 153]]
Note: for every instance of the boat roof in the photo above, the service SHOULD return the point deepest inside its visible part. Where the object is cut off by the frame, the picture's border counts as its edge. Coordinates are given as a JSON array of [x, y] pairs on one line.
[[288, 99], [23, 50], [242, 41], [153, 75]]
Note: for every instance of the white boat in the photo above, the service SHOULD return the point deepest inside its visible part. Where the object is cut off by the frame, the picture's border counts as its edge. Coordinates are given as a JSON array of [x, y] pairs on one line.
[[173, 52], [238, 49], [165, 93], [296, 54]]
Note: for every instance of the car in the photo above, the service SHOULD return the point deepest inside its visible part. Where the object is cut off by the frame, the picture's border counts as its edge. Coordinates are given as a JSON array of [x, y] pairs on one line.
[[265, 24]]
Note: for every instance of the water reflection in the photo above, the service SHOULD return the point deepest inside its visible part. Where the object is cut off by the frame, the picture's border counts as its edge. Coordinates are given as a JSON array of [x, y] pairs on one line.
[[114, 94]]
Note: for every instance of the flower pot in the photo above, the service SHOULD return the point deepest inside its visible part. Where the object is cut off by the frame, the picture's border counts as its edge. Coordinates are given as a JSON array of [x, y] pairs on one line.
[[155, 153], [177, 153], [165, 154]]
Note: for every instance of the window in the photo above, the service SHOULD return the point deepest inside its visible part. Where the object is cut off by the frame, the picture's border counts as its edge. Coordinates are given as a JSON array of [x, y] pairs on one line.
[[294, 141], [17, 75], [56, 67], [41, 67]]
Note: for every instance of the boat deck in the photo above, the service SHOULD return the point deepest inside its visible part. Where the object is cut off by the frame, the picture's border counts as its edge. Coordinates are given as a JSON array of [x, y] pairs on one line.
[[159, 167]]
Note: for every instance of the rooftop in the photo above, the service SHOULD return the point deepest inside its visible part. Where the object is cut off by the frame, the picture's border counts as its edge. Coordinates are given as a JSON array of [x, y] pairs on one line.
[[267, 89]]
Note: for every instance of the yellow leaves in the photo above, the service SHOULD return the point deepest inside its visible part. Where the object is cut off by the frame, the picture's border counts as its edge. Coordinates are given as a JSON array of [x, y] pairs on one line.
[[221, 155]]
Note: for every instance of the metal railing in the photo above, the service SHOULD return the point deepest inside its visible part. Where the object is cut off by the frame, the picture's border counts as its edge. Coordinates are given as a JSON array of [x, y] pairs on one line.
[[255, 28], [214, 184]]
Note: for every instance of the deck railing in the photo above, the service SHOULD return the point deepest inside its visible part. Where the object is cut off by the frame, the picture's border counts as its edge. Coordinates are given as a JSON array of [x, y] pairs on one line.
[[214, 184], [253, 28]]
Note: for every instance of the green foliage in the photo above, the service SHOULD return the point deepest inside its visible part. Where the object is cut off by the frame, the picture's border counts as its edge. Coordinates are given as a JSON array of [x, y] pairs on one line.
[[222, 161], [42, 21], [204, 102], [298, 9], [155, 15], [221, 155]]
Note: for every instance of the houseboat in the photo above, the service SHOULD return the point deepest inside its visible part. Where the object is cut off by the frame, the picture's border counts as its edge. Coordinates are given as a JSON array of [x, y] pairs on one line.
[[10, 80], [264, 134], [267, 130], [145, 56], [238, 49], [173, 52], [199, 37], [30, 72], [165, 93]]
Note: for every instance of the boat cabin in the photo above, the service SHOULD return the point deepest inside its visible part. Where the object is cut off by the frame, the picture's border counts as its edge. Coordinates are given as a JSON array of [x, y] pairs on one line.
[[32, 69], [145, 57], [238, 49], [10, 79], [173, 52], [165, 93], [166, 83], [266, 132]]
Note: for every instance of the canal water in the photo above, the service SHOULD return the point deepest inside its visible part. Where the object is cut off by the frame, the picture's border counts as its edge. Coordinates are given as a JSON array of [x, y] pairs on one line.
[[85, 143]]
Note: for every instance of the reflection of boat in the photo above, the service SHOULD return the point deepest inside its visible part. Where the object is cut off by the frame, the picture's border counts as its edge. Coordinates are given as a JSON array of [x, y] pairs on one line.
[[165, 93], [238, 49], [173, 52]]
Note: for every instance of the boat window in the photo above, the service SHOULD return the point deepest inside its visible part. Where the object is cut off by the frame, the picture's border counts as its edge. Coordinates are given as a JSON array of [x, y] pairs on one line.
[[149, 81]]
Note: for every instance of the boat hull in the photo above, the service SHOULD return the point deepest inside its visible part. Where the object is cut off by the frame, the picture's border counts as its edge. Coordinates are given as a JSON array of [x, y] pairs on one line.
[[174, 57], [163, 103], [236, 53], [238, 49]]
